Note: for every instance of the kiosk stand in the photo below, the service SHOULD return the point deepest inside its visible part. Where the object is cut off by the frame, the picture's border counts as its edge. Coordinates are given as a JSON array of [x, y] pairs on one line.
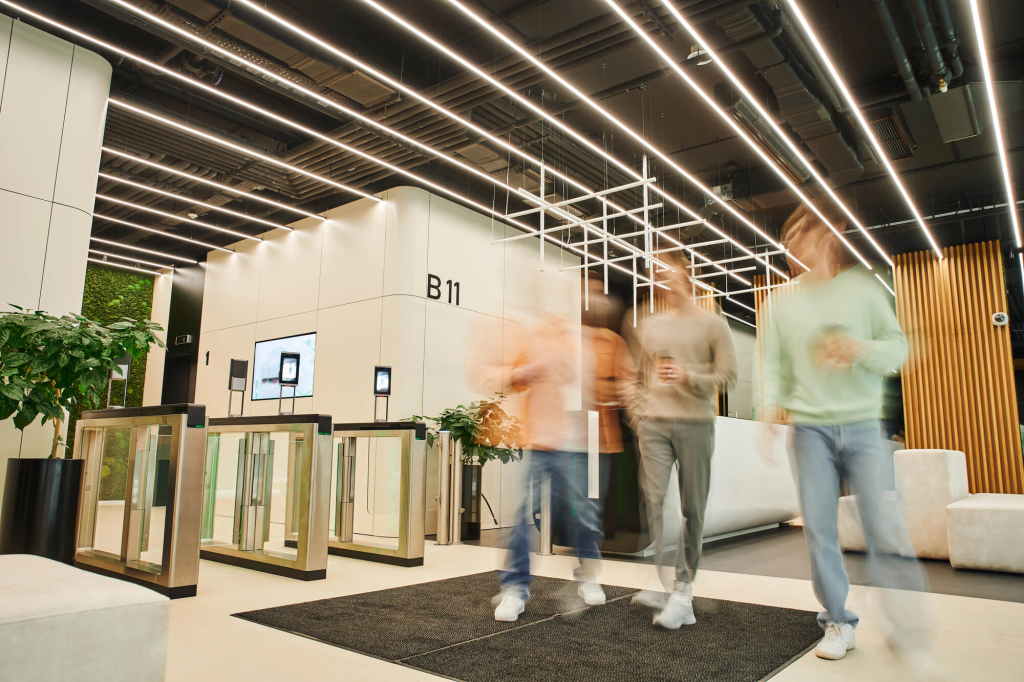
[[288, 376], [142, 494], [266, 496]]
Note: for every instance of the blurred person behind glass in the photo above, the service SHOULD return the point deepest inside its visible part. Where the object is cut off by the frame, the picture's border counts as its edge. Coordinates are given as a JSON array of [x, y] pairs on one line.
[[829, 342], [686, 357]]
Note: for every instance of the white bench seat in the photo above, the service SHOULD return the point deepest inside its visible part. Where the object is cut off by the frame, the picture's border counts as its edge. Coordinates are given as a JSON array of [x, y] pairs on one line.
[[986, 531]]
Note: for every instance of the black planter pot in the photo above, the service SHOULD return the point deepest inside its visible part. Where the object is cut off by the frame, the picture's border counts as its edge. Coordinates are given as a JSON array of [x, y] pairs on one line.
[[472, 482], [40, 508]]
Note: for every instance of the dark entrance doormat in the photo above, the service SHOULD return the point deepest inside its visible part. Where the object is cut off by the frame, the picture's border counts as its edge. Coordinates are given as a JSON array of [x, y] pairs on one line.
[[447, 628]]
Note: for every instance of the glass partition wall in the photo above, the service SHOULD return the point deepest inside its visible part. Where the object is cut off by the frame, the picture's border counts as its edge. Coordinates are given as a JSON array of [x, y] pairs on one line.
[[141, 494], [266, 494]]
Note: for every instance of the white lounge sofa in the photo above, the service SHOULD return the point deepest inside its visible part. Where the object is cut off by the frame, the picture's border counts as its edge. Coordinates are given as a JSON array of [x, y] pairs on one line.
[[986, 531], [61, 623]]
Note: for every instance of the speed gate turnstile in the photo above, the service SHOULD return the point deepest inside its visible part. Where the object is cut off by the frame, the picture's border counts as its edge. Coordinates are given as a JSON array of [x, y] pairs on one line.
[[379, 493], [142, 494], [266, 494]]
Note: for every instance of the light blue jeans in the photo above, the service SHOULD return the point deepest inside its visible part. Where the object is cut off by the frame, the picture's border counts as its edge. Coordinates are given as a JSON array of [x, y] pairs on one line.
[[568, 474], [824, 457]]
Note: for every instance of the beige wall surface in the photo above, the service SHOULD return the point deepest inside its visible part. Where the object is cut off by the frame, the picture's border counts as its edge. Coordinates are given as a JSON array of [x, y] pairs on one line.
[[359, 280], [53, 104]]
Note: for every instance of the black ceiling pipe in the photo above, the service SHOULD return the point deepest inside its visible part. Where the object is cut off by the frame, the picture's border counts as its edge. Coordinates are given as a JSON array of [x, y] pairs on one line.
[[941, 74], [712, 9], [899, 54], [947, 32]]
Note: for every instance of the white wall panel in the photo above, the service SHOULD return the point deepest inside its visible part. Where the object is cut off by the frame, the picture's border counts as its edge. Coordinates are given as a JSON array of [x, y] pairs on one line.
[[460, 249], [79, 157], [231, 293], [290, 270], [64, 269], [405, 258], [32, 111], [348, 346], [448, 339], [212, 379], [401, 338], [25, 223], [6, 25], [153, 389], [352, 267]]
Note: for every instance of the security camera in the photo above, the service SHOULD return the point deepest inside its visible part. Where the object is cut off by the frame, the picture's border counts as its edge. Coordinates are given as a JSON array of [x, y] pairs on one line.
[[1000, 319]]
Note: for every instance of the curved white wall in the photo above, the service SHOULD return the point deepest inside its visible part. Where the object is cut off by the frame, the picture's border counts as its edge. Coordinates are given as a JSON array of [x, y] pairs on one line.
[[53, 105]]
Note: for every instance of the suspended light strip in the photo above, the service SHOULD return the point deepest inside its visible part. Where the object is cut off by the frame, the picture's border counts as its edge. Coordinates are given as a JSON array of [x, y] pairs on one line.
[[194, 202], [993, 109], [130, 259], [178, 218], [739, 319], [194, 242], [224, 188], [123, 267], [560, 124], [370, 71], [865, 128], [139, 248], [256, 155], [732, 123], [886, 285]]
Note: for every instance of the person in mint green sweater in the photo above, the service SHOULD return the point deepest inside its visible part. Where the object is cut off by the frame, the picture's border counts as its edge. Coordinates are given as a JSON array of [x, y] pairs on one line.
[[831, 337]]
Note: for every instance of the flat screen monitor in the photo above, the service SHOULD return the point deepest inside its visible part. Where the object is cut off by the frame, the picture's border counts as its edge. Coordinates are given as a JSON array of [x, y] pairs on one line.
[[269, 366], [381, 380]]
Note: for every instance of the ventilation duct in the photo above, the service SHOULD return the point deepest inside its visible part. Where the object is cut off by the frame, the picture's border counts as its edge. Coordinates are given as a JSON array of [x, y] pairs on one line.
[[963, 112], [891, 133]]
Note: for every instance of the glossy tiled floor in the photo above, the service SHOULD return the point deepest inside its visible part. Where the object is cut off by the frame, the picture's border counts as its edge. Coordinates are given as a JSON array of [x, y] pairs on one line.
[[977, 639]]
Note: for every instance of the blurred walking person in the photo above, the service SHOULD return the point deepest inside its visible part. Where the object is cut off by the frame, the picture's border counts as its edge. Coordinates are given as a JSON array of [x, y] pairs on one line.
[[829, 342], [686, 358]]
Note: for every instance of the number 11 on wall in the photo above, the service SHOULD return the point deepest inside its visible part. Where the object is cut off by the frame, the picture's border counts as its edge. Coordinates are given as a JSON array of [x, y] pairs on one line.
[[434, 289]]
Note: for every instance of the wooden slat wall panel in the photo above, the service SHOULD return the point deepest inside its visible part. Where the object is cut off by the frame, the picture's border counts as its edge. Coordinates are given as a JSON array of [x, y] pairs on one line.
[[761, 304], [958, 385]]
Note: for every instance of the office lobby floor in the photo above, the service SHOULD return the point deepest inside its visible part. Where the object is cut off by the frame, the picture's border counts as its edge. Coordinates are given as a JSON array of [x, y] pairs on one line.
[[978, 639]]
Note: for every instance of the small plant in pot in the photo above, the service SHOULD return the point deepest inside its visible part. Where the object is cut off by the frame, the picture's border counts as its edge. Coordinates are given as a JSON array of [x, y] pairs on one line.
[[487, 433], [48, 366]]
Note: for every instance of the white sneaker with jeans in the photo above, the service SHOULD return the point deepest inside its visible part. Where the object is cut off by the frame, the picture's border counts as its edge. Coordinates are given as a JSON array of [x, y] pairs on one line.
[[592, 593], [839, 638], [678, 610], [509, 607]]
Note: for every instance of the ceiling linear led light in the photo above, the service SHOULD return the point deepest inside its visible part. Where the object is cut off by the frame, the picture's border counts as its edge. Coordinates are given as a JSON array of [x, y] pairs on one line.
[[130, 259], [124, 267], [757, 148], [318, 96], [884, 284], [262, 157], [310, 93], [180, 219], [996, 128], [583, 140], [139, 248], [739, 319], [224, 188], [194, 202], [865, 128], [164, 233], [372, 72]]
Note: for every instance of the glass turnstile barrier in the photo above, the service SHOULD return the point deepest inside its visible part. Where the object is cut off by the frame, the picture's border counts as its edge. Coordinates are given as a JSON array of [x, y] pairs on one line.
[[141, 495], [379, 490], [266, 494]]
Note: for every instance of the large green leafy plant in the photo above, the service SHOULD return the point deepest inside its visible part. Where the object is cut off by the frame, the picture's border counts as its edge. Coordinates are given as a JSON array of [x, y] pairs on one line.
[[486, 431], [50, 365]]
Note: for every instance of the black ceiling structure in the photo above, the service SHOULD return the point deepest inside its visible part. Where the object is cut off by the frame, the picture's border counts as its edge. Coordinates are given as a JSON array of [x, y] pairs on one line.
[[911, 64]]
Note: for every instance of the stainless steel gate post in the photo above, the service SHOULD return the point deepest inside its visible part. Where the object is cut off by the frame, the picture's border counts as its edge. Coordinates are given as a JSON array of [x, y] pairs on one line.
[[545, 518], [456, 496], [443, 479], [346, 489]]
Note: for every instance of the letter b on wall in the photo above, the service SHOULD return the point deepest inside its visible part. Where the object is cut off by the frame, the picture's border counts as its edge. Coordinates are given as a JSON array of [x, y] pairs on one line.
[[433, 287]]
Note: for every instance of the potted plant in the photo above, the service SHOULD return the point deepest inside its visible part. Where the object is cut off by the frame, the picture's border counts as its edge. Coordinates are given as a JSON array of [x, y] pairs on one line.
[[48, 366], [487, 433]]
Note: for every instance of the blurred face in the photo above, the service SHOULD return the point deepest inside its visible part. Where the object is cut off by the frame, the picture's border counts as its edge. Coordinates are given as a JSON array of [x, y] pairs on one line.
[[809, 241]]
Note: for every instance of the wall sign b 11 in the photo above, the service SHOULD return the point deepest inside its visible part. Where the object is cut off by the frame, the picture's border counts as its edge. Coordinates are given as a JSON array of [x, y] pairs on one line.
[[434, 289]]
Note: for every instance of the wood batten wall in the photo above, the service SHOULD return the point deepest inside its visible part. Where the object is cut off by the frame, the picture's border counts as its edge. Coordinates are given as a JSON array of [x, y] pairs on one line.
[[958, 384], [761, 306]]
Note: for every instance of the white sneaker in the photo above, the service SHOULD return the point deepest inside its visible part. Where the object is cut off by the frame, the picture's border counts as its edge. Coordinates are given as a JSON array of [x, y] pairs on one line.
[[838, 639], [651, 598], [920, 666], [509, 608], [592, 593], [678, 610]]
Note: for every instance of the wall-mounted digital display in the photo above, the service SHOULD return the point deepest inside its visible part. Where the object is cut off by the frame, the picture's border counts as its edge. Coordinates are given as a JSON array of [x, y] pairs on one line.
[[381, 380], [269, 366]]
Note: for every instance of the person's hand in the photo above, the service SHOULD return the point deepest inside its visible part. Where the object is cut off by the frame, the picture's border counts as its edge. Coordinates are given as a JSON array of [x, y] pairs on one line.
[[840, 350], [671, 374]]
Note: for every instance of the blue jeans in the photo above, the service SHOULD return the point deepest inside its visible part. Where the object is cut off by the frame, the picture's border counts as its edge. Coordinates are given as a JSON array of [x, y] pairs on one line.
[[568, 474], [825, 456]]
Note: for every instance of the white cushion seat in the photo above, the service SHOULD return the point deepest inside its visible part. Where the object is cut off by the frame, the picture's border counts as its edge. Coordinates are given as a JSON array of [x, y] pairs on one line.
[[986, 531], [928, 481], [58, 622], [851, 531]]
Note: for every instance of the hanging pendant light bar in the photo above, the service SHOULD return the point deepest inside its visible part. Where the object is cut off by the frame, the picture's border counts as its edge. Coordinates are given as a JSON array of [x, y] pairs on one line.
[[136, 226]]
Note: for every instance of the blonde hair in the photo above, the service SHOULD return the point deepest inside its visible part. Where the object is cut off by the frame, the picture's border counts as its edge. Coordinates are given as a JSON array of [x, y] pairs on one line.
[[828, 209]]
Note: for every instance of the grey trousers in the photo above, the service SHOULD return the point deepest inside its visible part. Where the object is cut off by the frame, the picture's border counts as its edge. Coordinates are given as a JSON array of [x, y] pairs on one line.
[[663, 443]]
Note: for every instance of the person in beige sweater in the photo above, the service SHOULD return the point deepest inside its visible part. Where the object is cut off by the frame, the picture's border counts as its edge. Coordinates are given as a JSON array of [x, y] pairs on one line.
[[686, 356]]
